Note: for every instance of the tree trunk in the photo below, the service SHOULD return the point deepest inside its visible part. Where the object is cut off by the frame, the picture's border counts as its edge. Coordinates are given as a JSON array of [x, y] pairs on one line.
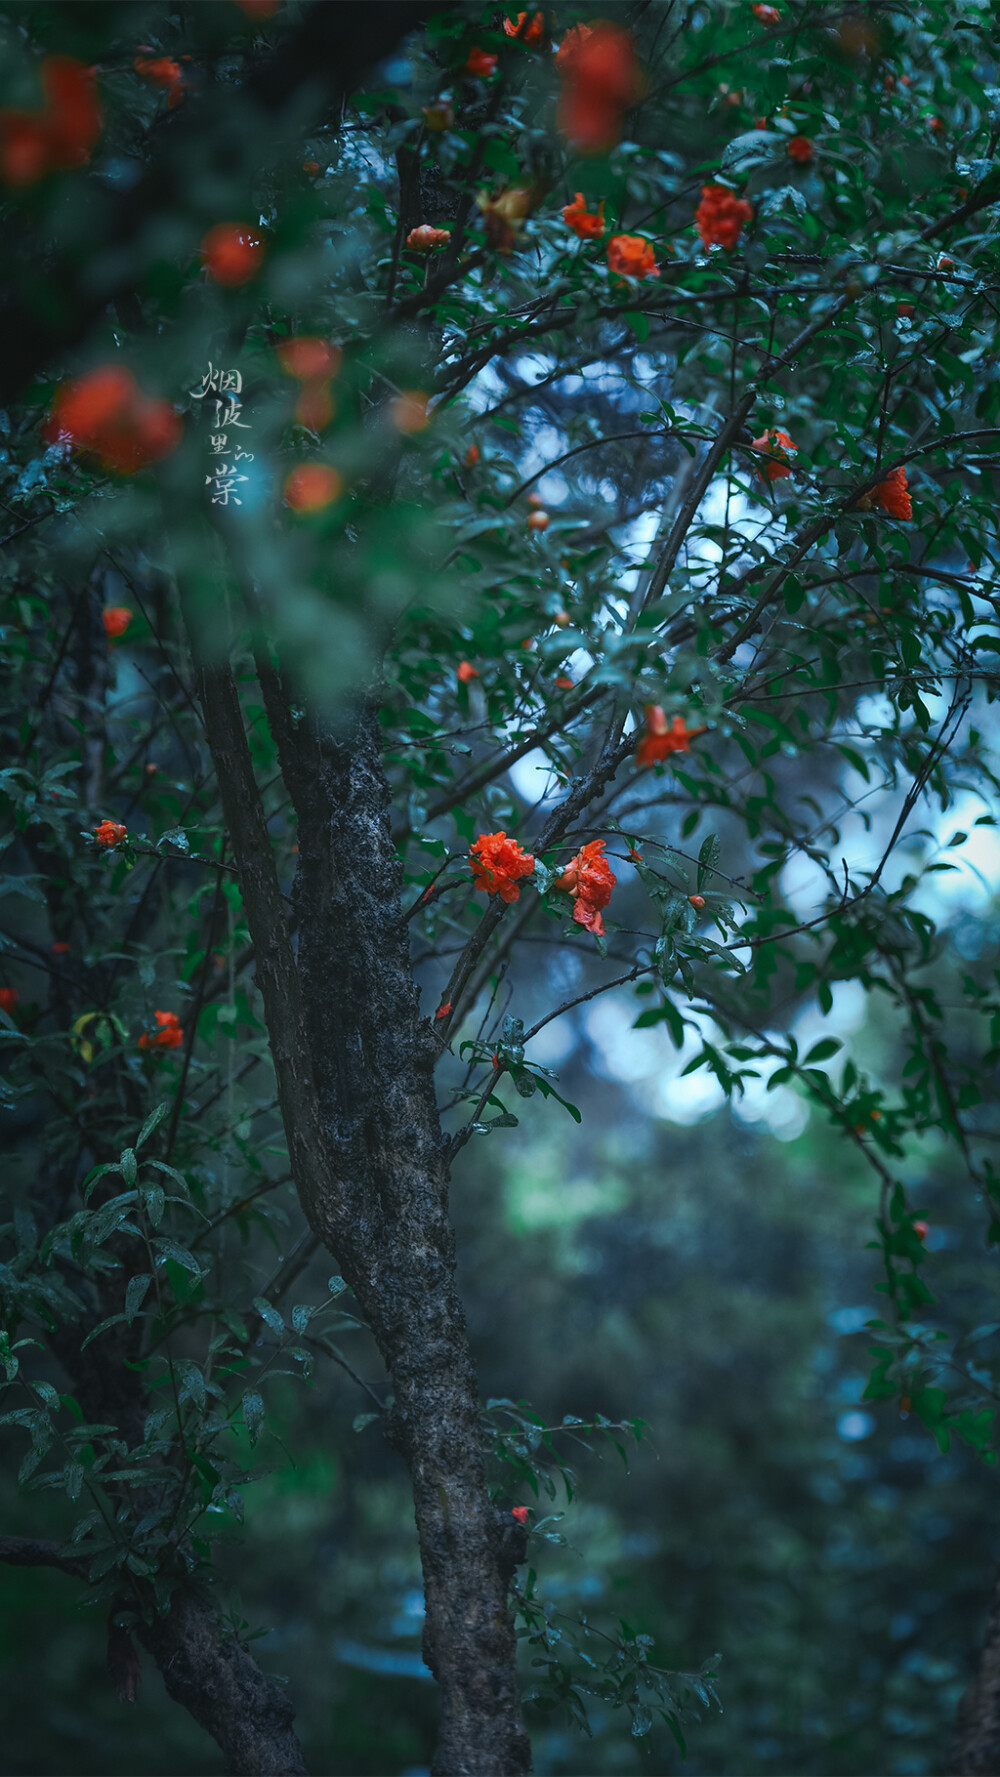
[[977, 1735], [380, 1198]]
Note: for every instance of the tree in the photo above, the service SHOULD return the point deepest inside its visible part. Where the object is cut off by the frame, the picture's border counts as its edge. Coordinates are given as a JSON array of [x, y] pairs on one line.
[[277, 655]]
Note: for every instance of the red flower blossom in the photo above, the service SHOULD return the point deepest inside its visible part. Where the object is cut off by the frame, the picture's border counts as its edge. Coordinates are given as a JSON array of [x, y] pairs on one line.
[[582, 221], [471, 456], [720, 216], [563, 683], [311, 486], [774, 444], [480, 64], [538, 521], [105, 412], [697, 902], [162, 71], [590, 879], [572, 44], [231, 253], [426, 239], [498, 863], [921, 1230], [116, 619], [109, 834], [600, 79], [60, 949], [521, 1513], [408, 411], [800, 148], [311, 167], [169, 1035], [309, 358], [530, 32], [466, 671], [59, 136], [633, 255], [905, 308], [9, 997], [766, 15], [893, 496], [659, 740]]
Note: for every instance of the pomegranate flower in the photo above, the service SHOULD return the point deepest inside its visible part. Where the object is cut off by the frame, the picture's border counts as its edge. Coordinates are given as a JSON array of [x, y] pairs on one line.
[[106, 413], [168, 1036], [527, 30], [600, 79], [116, 619], [162, 71], [774, 444], [231, 253], [426, 239], [892, 495], [9, 997], [590, 879], [109, 834], [583, 222], [660, 740], [480, 64], [62, 134], [498, 864], [800, 148], [633, 255], [720, 216]]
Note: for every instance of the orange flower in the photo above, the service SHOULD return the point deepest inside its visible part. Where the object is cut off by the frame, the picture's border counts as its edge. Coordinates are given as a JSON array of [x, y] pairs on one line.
[[538, 521], [169, 1035], [720, 216], [697, 902], [564, 683], [590, 879], [633, 255], [408, 411], [9, 997], [498, 863], [800, 148], [105, 412], [767, 15], [893, 495], [109, 834], [531, 32], [471, 456], [311, 167], [521, 1513], [774, 444], [906, 309], [116, 620], [466, 671], [659, 741], [426, 239], [309, 358], [582, 221], [480, 64], [231, 253], [572, 44], [59, 136], [600, 78], [162, 71], [315, 406], [311, 486]]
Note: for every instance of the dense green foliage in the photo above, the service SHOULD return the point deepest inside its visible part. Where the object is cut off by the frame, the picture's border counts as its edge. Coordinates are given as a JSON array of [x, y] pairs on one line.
[[838, 660]]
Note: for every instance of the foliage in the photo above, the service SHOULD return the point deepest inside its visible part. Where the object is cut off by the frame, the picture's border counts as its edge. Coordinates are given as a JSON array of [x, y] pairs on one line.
[[725, 543]]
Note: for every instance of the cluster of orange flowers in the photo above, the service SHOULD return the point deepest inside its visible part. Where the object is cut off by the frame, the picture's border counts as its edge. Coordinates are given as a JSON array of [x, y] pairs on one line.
[[720, 216], [314, 363], [168, 1036], [106, 414], [62, 134], [498, 865], [589, 879]]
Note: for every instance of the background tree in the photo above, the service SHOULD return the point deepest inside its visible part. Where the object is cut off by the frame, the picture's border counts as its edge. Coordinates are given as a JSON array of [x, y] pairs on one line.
[[298, 341]]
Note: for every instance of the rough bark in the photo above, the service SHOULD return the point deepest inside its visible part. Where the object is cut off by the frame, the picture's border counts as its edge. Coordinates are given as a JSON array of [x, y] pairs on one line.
[[375, 1187], [224, 1689], [976, 1752]]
